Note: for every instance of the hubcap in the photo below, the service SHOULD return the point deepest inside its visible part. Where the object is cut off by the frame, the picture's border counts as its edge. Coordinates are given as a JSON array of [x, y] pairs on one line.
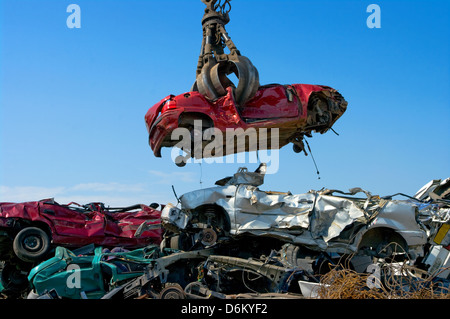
[[32, 243]]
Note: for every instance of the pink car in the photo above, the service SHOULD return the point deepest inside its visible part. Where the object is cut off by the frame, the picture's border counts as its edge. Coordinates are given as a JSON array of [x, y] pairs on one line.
[[33, 227], [295, 110]]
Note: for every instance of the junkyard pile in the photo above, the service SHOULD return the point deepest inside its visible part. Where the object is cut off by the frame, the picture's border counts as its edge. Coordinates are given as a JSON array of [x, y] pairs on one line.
[[237, 241], [233, 240]]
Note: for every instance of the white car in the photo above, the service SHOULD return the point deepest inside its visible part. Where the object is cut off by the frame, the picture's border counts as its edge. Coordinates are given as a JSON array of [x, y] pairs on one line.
[[317, 220]]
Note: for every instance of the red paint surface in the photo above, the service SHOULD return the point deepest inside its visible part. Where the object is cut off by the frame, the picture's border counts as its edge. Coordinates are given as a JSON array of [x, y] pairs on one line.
[[72, 227], [270, 107]]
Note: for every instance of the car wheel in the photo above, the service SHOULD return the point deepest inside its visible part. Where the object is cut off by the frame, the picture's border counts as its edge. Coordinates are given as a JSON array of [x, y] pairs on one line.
[[31, 244], [172, 291], [13, 279], [180, 242], [297, 148]]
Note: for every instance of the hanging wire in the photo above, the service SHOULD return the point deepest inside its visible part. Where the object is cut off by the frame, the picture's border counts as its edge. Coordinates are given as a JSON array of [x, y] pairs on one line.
[[334, 131], [314, 161], [201, 175]]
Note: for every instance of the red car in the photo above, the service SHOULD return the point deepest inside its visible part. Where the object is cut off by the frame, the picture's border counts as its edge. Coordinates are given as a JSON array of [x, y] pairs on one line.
[[33, 227], [296, 110]]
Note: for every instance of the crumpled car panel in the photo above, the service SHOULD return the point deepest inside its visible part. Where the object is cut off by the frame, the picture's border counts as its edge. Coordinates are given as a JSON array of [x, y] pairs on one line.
[[77, 226], [311, 219]]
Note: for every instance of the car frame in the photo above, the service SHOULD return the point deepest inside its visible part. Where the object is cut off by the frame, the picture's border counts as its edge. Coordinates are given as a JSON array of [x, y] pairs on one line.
[[317, 220], [92, 273], [28, 230], [295, 110]]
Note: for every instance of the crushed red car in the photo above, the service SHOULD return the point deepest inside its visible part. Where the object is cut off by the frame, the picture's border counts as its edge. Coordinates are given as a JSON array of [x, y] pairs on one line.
[[32, 228], [295, 110]]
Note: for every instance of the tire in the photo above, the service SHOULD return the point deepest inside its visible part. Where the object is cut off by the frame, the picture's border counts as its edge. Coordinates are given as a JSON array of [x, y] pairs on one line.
[[296, 148], [180, 242], [172, 291], [31, 244], [13, 279]]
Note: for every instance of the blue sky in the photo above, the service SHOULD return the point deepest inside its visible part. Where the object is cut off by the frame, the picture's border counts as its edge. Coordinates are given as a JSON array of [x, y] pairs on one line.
[[73, 100]]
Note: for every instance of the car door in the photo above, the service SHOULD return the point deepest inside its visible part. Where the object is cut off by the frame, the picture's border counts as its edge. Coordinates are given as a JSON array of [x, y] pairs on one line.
[[69, 220], [274, 101], [125, 223], [258, 210]]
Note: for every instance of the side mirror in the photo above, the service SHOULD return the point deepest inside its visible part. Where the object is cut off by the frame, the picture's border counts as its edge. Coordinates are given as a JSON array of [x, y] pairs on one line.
[[154, 205]]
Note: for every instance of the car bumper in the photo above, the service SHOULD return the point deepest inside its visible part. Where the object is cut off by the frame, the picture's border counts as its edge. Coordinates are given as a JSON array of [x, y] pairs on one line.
[[162, 128]]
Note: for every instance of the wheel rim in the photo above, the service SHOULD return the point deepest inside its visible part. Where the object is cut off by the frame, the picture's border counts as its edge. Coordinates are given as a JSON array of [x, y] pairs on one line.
[[173, 292], [32, 243]]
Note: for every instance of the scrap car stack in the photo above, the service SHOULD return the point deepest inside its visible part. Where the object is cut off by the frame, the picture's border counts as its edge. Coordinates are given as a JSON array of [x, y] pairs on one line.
[[230, 241], [233, 240]]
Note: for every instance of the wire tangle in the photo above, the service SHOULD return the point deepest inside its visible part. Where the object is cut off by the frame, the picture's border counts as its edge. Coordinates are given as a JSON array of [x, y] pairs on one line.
[[394, 280]]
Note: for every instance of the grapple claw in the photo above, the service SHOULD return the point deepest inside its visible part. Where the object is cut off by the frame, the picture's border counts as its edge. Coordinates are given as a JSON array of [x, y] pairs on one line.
[[248, 80], [214, 65], [205, 84]]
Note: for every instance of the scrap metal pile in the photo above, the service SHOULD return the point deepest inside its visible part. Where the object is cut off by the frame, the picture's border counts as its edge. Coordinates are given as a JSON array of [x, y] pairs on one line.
[[233, 240]]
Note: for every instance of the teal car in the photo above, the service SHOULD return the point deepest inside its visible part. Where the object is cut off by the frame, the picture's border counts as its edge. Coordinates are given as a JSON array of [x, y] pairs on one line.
[[80, 276]]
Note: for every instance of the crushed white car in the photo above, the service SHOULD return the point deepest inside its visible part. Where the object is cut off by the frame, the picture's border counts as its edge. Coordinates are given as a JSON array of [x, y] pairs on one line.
[[328, 221]]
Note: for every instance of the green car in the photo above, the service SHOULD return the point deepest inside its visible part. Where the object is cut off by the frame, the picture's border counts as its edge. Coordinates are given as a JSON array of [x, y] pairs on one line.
[[90, 276]]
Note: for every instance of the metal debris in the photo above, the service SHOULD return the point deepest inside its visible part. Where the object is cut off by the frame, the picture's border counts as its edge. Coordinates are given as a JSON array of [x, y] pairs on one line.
[[318, 220], [235, 241]]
